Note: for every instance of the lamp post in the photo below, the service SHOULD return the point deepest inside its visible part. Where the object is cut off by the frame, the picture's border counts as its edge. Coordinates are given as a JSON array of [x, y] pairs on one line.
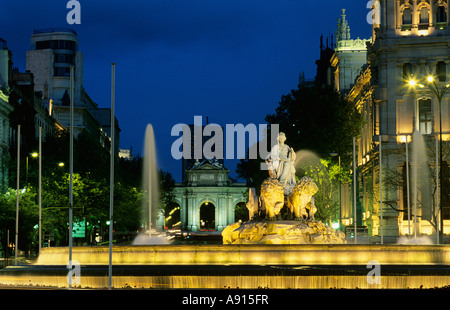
[[37, 155], [439, 91]]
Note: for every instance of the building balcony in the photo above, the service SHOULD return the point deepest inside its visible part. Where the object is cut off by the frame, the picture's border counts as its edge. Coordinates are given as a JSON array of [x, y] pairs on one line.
[[423, 26], [406, 27], [441, 25]]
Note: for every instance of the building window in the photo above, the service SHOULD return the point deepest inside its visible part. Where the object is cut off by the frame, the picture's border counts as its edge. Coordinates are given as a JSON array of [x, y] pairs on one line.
[[64, 58], [406, 19], [407, 71], [441, 71], [425, 116], [42, 45], [441, 15], [61, 71], [57, 44], [423, 18]]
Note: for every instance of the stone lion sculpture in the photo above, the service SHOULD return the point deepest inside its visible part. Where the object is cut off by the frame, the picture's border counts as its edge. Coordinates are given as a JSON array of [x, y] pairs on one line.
[[272, 198], [301, 200]]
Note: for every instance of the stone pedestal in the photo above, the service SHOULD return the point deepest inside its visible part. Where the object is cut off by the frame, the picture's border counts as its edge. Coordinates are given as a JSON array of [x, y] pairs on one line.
[[282, 232]]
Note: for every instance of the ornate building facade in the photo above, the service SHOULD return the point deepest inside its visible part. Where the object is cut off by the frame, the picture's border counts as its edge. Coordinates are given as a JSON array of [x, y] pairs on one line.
[[349, 56], [5, 110], [403, 95]]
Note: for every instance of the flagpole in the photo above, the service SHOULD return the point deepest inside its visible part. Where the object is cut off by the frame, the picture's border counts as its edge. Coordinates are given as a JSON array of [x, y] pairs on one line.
[[111, 178], [407, 187], [437, 190], [71, 174], [381, 193], [354, 187], [40, 189], [16, 241]]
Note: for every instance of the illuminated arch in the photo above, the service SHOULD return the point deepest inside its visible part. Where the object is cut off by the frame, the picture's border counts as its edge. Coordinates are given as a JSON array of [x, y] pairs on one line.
[[207, 216]]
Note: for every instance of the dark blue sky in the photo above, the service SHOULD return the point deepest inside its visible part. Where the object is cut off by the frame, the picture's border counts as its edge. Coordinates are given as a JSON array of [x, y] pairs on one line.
[[229, 60]]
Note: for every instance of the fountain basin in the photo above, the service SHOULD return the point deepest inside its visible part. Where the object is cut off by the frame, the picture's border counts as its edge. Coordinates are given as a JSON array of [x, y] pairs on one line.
[[315, 254], [239, 266], [230, 276], [282, 232]]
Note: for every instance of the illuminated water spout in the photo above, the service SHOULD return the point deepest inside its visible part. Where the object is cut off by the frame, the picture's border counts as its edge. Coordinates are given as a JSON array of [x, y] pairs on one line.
[[150, 186], [421, 189]]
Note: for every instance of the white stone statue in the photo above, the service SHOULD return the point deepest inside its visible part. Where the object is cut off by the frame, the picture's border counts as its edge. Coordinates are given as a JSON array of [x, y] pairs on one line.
[[281, 164]]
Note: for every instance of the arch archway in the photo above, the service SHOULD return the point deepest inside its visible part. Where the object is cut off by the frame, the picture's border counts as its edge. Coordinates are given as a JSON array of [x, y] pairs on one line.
[[207, 216]]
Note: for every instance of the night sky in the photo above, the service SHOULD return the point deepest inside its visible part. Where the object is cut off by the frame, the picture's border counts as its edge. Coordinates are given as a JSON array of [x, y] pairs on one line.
[[229, 60]]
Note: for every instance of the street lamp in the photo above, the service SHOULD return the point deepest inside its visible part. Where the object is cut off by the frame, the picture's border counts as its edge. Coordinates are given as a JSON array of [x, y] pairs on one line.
[[412, 82], [34, 155], [439, 91]]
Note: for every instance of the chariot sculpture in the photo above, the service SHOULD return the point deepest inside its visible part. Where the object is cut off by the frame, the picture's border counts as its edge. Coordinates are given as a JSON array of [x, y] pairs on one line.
[[284, 211]]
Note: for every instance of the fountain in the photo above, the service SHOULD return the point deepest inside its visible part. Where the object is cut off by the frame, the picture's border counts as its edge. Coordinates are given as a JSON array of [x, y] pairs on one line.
[[420, 190], [305, 159], [150, 184], [304, 256], [267, 224]]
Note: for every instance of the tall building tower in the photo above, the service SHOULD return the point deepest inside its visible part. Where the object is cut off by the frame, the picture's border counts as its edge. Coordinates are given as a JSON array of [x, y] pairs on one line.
[[53, 52], [5, 110], [404, 95], [197, 147], [5, 64], [324, 71], [350, 55]]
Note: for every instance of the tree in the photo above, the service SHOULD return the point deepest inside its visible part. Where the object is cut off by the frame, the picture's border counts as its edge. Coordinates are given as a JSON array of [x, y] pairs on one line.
[[318, 119], [325, 177], [91, 190], [27, 213]]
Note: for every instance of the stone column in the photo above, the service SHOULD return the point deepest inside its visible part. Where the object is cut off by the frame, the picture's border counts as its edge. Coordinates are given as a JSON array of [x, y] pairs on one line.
[[183, 213], [194, 209], [230, 209], [222, 214]]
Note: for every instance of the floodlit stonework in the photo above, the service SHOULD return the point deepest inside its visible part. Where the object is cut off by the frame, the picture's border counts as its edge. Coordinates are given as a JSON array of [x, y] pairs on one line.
[[410, 44]]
